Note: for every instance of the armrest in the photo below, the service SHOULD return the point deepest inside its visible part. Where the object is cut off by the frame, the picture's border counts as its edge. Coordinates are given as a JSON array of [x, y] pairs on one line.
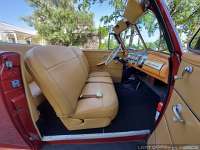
[[100, 64]]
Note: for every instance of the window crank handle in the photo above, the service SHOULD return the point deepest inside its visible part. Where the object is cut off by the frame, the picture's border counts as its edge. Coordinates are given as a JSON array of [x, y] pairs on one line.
[[187, 69], [177, 113]]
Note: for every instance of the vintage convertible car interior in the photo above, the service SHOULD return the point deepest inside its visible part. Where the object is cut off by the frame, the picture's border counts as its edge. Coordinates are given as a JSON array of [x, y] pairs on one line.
[[74, 93], [73, 98]]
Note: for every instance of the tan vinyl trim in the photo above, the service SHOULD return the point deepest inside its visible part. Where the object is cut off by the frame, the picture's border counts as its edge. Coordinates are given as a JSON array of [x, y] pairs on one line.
[[28, 97], [99, 82]]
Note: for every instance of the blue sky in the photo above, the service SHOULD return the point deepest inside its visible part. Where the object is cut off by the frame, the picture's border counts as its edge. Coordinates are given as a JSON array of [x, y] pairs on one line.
[[11, 12], [100, 10]]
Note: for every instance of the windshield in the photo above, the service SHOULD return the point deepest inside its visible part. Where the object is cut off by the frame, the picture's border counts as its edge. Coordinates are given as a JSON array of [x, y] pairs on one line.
[[149, 35]]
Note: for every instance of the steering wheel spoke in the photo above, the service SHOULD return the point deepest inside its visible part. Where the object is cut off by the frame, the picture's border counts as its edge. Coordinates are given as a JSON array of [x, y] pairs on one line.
[[112, 55]]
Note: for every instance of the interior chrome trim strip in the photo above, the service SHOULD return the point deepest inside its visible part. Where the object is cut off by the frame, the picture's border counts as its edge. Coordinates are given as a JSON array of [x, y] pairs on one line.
[[95, 135]]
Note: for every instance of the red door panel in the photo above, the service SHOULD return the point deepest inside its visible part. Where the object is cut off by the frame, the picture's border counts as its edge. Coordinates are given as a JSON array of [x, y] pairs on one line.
[[13, 97]]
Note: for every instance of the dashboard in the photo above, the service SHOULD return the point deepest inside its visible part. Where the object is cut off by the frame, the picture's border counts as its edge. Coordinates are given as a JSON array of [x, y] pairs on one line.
[[152, 63]]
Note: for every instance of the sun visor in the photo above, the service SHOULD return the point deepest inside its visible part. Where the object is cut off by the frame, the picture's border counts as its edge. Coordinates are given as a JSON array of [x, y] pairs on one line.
[[120, 27], [134, 9]]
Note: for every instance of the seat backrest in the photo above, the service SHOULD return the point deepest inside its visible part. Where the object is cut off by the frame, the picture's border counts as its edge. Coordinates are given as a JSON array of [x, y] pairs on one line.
[[61, 73], [82, 58]]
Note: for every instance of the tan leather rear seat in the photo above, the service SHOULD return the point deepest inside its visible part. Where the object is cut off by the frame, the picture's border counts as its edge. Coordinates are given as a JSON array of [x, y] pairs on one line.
[[63, 76]]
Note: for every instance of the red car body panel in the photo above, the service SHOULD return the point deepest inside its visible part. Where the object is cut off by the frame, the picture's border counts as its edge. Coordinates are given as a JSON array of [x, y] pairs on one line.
[[15, 116], [176, 54], [17, 129]]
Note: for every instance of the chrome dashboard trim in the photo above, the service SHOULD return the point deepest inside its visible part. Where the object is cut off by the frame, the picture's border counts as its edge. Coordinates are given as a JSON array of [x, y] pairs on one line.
[[154, 64]]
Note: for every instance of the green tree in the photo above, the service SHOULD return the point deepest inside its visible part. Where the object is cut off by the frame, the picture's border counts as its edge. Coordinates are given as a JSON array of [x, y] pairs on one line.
[[60, 22], [185, 13], [102, 33]]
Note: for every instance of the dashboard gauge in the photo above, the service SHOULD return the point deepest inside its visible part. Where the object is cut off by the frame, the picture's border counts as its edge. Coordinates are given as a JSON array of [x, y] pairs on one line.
[[141, 60], [137, 58]]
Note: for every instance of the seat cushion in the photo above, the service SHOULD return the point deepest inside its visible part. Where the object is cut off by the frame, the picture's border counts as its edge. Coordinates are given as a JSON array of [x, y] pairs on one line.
[[99, 74], [107, 80], [104, 107]]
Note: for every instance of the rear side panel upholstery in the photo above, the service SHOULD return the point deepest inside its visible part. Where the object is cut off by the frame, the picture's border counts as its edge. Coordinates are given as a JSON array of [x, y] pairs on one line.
[[62, 74]]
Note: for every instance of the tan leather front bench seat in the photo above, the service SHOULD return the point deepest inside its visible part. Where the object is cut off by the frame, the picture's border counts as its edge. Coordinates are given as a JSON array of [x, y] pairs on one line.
[[99, 74], [81, 100]]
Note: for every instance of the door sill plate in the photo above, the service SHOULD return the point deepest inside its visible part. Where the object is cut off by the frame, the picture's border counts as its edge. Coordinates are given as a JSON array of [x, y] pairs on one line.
[[95, 135]]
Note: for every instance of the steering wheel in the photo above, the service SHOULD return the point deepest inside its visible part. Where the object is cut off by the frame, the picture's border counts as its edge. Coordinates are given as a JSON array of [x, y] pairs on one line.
[[112, 55]]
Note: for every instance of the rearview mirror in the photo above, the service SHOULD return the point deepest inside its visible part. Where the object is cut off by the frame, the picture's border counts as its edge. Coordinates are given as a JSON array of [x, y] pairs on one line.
[[112, 42]]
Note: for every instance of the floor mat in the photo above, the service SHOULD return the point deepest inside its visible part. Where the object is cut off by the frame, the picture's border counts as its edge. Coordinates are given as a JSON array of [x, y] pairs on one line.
[[104, 146], [137, 110]]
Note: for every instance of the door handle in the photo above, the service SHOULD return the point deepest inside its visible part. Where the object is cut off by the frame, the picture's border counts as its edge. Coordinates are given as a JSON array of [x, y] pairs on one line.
[[177, 109]]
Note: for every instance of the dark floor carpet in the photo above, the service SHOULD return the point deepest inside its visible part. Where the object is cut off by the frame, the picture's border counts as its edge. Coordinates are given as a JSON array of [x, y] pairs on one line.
[[136, 112], [104, 146]]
